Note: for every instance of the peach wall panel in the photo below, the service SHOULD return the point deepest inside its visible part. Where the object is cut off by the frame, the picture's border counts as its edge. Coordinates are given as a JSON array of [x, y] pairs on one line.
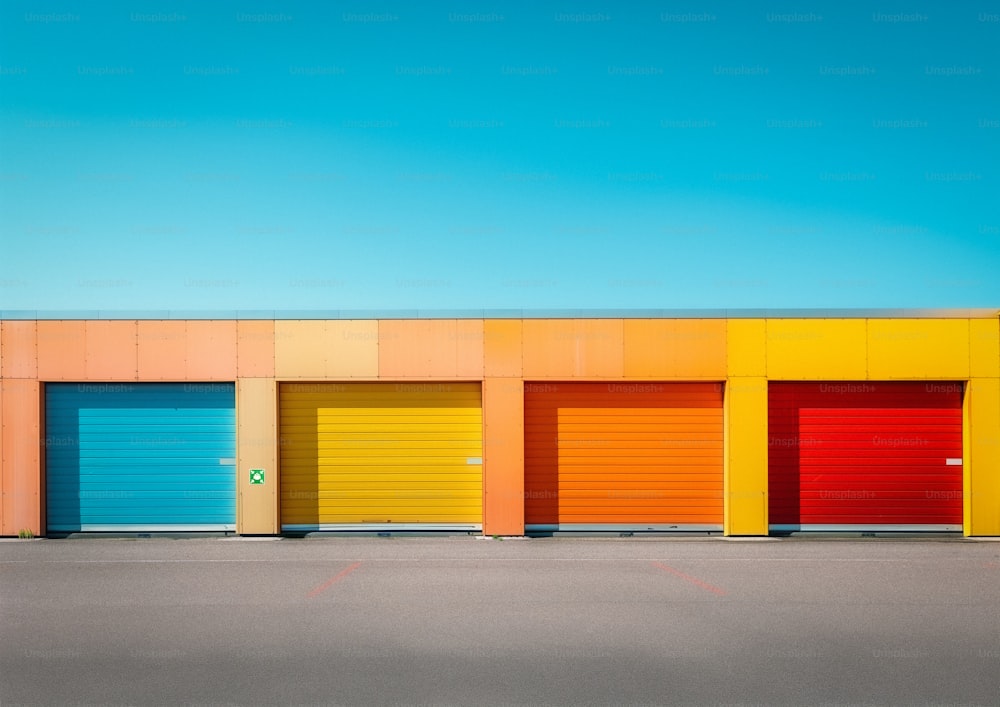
[[62, 350], [299, 349], [256, 415], [20, 349], [20, 467], [161, 350], [255, 349], [425, 348], [211, 350], [352, 348], [112, 350], [502, 347]]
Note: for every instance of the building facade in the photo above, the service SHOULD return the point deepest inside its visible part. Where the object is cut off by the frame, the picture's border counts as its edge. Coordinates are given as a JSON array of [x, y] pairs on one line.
[[735, 422]]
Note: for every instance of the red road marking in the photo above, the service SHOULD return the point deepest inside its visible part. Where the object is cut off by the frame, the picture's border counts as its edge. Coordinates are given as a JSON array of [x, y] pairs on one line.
[[333, 580], [689, 578]]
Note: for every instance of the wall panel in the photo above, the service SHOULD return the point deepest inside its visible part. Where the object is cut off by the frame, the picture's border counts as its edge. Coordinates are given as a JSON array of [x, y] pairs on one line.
[[161, 350], [746, 347], [62, 350], [502, 353], [816, 349], [922, 349], [982, 466], [211, 350], [568, 348], [255, 349], [675, 348], [20, 349], [112, 351]]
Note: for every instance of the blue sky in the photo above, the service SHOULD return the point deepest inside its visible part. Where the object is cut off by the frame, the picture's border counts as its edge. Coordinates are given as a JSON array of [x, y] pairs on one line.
[[457, 155]]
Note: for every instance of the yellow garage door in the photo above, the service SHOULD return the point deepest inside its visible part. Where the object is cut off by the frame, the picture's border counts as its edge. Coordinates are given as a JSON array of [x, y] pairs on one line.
[[381, 456]]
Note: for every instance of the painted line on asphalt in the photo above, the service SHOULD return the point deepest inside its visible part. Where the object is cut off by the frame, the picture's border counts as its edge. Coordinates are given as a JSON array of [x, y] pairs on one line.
[[315, 591], [693, 580]]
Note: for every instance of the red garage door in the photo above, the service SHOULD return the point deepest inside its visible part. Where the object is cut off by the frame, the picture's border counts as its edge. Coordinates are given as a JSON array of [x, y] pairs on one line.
[[865, 456]]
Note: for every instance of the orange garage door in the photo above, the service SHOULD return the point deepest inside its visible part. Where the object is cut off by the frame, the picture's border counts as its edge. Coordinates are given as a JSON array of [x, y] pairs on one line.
[[623, 456]]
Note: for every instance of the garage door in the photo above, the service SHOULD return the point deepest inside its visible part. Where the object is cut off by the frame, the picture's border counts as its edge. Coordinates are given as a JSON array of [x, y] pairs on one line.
[[633, 456], [140, 457], [381, 456], [865, 456]]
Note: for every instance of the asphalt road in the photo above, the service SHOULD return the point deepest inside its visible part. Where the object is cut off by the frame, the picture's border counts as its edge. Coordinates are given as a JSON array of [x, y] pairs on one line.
[[465, 621]]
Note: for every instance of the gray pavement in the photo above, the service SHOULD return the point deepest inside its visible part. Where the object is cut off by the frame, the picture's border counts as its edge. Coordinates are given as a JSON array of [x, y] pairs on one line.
[[465, 621]]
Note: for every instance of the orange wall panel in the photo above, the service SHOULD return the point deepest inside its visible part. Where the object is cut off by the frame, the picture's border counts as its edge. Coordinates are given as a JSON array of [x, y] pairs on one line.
[[429, 348], [675, 348], [161, 350], [62, 349], [255, 349], [20, 350], [20, 466], [211, 350], [503, 456], [112, 350], [561, 348], [502, 347]]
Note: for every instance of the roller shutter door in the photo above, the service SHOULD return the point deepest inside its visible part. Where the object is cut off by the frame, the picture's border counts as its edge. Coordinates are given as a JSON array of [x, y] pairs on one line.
[[140, 457], [623, 456], [381, 456], [865, 456]]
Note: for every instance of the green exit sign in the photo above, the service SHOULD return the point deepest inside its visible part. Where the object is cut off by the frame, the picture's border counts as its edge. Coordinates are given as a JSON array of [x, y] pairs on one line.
[[256, 476]]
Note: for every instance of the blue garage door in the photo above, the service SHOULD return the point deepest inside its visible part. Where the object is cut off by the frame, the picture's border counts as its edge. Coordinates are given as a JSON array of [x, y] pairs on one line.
[[140, 457]]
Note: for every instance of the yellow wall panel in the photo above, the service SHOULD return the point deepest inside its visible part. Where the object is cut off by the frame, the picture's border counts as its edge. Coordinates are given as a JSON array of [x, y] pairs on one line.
[[982, 465], [112, 350], [503, 456], [918, 348], [20, 349], [746, 347], [746, 456], [256, 441], [675, 348], [161, 354], [984, 348], [567, 348], [62, 350], [502, 352], [816, 349], [255, 349]]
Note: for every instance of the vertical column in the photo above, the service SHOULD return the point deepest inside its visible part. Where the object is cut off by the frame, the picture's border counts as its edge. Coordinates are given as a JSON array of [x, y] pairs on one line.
[[982, 457], [20, 466], [745, 481], [503, 456], [256, 441]]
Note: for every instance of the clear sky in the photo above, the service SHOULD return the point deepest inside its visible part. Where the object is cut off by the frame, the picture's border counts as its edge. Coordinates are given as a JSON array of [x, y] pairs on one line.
[[465, 155]]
